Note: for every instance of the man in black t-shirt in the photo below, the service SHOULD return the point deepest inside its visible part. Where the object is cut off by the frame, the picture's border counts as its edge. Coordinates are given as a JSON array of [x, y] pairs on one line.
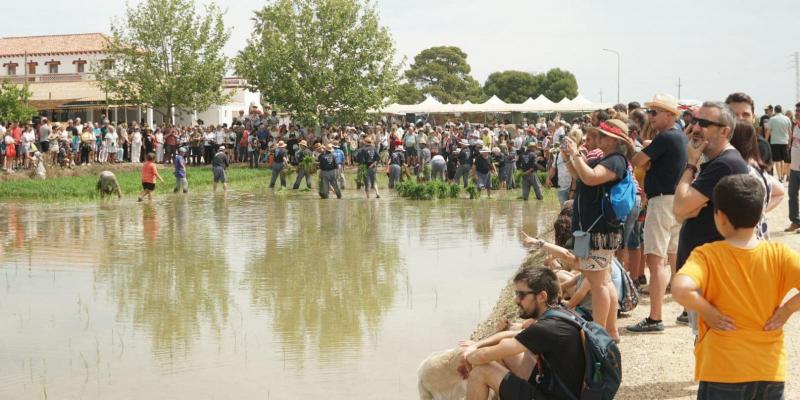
[[711, 135], [504, 362]]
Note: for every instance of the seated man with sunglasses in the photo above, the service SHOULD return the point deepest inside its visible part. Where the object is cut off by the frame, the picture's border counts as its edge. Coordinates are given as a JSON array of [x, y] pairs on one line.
[[506, 362]]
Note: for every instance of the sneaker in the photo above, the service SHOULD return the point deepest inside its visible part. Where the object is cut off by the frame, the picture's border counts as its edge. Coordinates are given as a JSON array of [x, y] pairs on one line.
[[646, 326], [793, 227], [683, 319]]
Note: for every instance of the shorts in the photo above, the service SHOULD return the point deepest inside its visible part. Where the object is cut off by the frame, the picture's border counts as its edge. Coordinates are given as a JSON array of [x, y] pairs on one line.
[[482, 180], [411, 152], [219, 175], [598, 260], [148, 186], [780, 152], [661, 229], [513, 387]]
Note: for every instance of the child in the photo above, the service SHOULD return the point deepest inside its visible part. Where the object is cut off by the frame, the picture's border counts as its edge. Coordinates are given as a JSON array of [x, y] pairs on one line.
[[149, 175], [737, 286]]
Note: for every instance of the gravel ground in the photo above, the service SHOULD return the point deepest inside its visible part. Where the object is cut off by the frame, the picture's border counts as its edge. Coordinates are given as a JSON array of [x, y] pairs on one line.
[[661, 365]]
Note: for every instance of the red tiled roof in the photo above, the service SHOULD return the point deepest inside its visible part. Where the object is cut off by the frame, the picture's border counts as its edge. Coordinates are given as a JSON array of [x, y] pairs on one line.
[[53, 44]]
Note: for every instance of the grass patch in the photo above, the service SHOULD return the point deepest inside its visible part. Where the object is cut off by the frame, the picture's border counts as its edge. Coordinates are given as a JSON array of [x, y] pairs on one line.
[[428, 190]]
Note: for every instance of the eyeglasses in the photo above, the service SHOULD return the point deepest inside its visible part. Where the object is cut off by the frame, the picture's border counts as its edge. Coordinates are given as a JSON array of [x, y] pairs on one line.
[[521, 294], [652, 112], [704, 123]]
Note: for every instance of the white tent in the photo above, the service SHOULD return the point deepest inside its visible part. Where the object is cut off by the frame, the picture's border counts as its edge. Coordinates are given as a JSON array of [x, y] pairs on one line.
[[494, 104]]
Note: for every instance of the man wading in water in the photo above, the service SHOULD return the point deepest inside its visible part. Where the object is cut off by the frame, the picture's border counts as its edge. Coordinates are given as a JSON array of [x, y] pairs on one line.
[[368, 157]]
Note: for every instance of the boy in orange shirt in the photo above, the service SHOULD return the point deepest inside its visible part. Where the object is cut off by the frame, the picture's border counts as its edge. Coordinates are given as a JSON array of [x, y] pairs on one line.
[[737, 286], [149, 175]]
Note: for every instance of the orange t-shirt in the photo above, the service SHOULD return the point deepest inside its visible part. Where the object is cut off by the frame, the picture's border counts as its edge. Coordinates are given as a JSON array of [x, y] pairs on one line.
[[747, 285], [149, 172]]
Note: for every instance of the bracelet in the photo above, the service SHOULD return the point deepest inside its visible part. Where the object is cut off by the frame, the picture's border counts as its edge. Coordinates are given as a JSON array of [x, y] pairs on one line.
[[692, 167]]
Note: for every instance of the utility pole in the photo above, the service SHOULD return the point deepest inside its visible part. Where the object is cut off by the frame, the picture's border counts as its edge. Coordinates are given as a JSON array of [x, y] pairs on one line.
[[679, 88], [601, 96], [796, 56]]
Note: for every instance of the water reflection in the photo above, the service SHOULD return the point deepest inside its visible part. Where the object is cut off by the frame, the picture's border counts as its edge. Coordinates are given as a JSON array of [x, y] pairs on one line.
[[329, 280]]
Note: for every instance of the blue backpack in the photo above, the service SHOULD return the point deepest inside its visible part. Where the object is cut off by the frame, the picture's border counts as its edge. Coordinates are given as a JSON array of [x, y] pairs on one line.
[[618, 202], [603, 372]]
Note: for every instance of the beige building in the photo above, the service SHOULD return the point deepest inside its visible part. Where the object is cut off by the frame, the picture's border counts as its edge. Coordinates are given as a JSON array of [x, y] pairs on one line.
[[58, 69]]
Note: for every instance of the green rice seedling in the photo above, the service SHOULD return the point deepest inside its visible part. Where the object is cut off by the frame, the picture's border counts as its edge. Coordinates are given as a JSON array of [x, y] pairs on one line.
[[473, 191]]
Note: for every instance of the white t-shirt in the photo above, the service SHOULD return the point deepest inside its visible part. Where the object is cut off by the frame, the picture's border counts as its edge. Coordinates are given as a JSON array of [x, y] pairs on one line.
[[564, 178], [795, 164]]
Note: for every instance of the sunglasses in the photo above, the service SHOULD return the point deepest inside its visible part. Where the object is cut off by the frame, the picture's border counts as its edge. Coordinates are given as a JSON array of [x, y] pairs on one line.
[[704, 123], [521, 294], [652, 112]]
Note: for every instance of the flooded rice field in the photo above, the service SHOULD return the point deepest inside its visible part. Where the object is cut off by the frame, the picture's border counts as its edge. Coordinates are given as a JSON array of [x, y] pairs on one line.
[[248, 295]]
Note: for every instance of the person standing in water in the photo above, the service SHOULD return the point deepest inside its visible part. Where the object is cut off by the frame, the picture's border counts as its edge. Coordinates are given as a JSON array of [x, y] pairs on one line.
[[219, 163]]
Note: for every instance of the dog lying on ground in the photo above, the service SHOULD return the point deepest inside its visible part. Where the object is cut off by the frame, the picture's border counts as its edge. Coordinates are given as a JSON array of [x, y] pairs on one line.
[[439, 378]]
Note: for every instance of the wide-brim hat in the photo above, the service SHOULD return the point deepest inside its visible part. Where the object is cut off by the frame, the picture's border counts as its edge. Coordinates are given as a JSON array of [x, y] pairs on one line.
[[368, 141], [531, 144], [616, 129], [280, 144], [328, 147], [221, 147], [484, 151], [182, 150], [463, 142], [303, 143], [664, 102]]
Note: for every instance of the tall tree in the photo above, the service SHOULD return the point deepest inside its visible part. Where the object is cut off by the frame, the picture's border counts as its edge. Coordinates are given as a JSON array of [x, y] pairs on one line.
[[559, 84], [14, 103], [443, 72], [512, 86], [320, 58], [407, 93], [164, 53]]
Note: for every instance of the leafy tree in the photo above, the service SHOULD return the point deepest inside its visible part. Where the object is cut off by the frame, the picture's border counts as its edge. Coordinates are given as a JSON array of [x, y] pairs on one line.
[[558, 84], [320, 58], [513, 86], [443, 72], [14, 103], [163, 53], [407, 93]]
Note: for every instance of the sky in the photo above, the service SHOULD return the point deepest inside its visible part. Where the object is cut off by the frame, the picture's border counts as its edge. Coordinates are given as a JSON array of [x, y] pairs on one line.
[[714, 47]]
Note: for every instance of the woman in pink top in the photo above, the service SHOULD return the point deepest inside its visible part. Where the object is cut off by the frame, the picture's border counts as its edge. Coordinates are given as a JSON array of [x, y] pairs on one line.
[[149, 175]]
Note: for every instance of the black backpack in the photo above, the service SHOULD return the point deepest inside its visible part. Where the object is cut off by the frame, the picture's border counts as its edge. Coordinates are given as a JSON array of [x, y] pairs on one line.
[[603, 371]]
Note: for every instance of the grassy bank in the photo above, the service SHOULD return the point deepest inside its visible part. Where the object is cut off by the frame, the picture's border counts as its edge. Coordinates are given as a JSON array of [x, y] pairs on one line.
[[80, 184]]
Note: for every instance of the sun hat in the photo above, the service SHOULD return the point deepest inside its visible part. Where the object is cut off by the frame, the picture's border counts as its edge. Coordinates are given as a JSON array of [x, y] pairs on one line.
[[616, 129], [328, 147], [368, 141], [664, 102], [280, 144], [484, 151], [182, 150], [463, 142], [531, 144], [221, 148], [303, 143]]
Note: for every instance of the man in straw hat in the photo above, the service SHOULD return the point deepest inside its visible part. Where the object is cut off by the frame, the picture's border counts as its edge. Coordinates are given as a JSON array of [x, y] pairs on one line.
[[327, 175], [181, 183], [368, 157], [666, 155], [340, 159], [278, 164], [465, 160], [483, 170], [396, 162], [300, 154], [527, 164], [595, 178]]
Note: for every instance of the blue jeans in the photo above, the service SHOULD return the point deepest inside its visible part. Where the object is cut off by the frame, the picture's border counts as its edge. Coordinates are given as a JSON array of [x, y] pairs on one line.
[[794, 186], [253, 159], [740, 391]]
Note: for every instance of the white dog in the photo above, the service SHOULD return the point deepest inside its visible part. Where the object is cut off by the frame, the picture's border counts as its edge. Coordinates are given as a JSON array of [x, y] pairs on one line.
[[439, 378]]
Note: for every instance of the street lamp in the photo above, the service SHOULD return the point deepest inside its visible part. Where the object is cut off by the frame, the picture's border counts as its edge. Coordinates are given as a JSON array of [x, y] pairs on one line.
[[617, 53]]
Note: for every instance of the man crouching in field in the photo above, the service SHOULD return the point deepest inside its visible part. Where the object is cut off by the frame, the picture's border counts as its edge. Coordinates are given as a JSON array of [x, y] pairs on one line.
[[107, 184]]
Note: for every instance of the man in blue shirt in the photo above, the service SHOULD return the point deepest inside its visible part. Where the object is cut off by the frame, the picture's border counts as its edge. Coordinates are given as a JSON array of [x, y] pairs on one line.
[[339, 155], [180, 172]]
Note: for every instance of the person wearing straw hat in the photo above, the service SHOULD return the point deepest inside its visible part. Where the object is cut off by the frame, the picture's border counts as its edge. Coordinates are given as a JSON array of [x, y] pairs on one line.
[[219, 163], [278, 164], [594, 179], [300, 154], [438, 167], [327, 175], [465, 160], [483, 170], [396, 161], [368, 157], [181, 183], [340, 158], [666, 157], [527, 164]]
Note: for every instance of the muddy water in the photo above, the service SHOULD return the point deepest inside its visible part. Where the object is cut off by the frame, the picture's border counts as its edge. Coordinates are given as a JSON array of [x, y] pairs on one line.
[[245, 296]]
